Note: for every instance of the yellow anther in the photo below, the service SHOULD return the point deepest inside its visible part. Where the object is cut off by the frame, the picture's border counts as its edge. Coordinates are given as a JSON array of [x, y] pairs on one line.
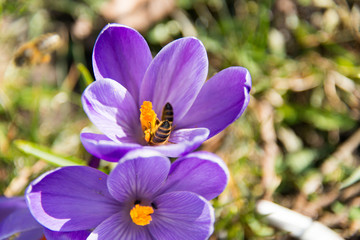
[[140, 215], [147, 116]]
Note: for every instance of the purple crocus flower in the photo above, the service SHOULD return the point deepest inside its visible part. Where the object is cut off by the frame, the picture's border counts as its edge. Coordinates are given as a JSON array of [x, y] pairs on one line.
[[15, 218], [128, 78], [144, 197]]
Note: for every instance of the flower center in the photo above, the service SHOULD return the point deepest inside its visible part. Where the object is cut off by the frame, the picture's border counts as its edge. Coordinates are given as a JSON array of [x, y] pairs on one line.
[[148, 119], [140, 215], [156, 132], [147, 116]]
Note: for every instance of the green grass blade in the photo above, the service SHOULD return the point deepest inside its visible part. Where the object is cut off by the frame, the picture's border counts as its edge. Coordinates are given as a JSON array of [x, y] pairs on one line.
[[47, 155], [85, 74]]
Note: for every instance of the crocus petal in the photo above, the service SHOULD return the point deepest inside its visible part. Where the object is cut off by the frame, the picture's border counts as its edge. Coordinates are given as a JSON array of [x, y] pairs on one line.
[[122, 54], [9, 205], [138, 175], [202, 173], [19, 219], [34, 234], [76, 235], [70, 199], [176, 75], [119, 226], [182, 215], [112, 109], [104, 148], [221, 101], [182, 141]]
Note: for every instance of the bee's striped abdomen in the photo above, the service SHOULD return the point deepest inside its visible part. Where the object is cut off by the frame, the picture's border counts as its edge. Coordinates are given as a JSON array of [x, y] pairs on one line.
[[162, 133], [168, 113]]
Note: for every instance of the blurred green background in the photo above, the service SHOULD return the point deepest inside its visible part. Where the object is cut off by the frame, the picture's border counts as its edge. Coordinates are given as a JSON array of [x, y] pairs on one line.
[[297, 144]]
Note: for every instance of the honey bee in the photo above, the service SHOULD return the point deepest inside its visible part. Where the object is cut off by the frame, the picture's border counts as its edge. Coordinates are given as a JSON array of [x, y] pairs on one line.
[[162, 133], [37, 50], [163, 128]]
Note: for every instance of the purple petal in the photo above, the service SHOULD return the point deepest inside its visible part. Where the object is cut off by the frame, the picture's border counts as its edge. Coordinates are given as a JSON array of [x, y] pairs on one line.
[[182, 215], [202, 173], [138, 175], [221, 101], [122, 54], [103, 147], [76, 235], [182, 141], [15, 217], [119, 226], [112, 109], [34, 234], [71, 199], [9, 205], [176, 75]]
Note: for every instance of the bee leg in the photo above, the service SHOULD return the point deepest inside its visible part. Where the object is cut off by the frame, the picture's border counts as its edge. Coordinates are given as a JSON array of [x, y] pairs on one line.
[[150, 126], [147, 134]]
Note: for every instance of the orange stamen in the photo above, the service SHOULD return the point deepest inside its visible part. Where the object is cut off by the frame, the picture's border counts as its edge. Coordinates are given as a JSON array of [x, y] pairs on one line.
[[140, 215], [148, 119], [147, 116]]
